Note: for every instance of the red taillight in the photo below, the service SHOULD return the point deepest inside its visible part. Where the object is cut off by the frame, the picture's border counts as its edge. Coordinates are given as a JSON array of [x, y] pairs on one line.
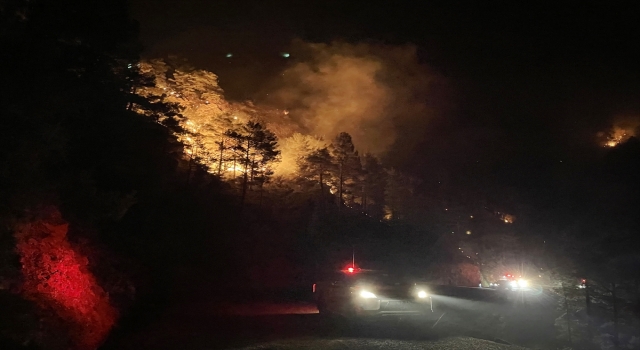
[[351, 269], [314, 288]]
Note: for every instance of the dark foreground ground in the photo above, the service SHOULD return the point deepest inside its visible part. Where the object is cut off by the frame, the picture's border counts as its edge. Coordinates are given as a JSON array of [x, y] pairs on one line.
[[456, 323]]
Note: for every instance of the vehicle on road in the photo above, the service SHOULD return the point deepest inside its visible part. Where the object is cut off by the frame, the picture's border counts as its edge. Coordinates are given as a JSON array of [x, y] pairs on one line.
[[511, 283], [365, 294]]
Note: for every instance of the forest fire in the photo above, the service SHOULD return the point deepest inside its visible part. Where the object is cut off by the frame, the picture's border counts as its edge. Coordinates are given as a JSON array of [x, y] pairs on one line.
[[623, 129], [303, 109], [507, 218], [611, 143], [617, 136], [232, 140], [235, 168]]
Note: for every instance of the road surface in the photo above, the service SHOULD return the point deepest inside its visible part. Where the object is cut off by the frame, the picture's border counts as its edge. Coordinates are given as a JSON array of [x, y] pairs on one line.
[[457, 324]]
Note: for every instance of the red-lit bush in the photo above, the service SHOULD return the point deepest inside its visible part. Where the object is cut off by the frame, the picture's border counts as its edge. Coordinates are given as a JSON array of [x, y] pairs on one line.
[[57, 279]]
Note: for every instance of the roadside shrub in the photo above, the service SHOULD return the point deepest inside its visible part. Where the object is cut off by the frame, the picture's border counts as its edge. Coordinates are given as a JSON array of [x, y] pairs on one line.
[[75, 310]]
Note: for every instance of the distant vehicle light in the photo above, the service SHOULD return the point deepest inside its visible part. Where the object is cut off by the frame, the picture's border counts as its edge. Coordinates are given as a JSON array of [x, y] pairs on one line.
[[523, 283], [366, 294], [513, 284], [422, 294]]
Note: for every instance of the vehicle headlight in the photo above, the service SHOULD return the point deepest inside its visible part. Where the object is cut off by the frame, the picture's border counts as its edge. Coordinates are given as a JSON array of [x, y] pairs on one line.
[[366, 294], [523, 283], [422, 294], [513, 284]]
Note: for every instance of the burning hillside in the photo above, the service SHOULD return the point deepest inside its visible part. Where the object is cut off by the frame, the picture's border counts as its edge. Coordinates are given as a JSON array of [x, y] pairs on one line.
[[621, 131], [336, 97], [372, 92]]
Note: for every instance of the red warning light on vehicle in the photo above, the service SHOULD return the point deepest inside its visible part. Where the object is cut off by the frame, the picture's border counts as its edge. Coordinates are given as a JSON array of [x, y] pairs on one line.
[[351, 269]]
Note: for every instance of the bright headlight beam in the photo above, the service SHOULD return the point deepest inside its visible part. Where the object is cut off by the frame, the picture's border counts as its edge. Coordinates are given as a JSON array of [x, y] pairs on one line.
[[422, 294], [366, 294], [513, 284], [523, 283]]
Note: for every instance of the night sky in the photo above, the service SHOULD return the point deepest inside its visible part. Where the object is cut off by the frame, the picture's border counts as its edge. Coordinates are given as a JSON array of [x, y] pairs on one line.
[[531, 83]]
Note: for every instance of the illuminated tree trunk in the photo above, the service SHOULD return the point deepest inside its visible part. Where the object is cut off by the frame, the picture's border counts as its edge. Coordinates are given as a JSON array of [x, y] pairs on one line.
[[189, 170], [245, 177], [254, 144], [190, 164], [317, 164], [343, 150], [234, 167], [130, 103], [244, 190], [220, 159], [253, 163], [340, 182]]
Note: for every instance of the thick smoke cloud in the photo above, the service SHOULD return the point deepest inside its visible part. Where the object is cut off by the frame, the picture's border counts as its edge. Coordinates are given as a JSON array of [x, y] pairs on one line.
[[379, 94]]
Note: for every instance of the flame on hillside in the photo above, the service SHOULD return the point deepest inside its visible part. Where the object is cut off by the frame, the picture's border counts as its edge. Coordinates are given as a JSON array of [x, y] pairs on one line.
[[235, 168], [508, 219], [621, 131], [616, 137], [205, 116], [373, 92]]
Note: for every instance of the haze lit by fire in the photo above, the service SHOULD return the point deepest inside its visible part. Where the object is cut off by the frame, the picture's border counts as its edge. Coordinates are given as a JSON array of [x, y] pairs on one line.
[[377, 93], [622, 130]]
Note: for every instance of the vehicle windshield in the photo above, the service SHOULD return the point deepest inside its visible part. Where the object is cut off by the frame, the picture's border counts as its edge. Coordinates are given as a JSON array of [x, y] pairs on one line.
[[385, 277]]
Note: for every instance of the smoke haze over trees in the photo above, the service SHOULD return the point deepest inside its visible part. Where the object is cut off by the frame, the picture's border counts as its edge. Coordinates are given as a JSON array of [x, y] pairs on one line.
[[373, 92]]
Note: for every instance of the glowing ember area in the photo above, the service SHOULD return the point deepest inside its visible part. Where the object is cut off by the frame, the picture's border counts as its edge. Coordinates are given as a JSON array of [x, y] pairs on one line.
[[388, 213], [617, 136], [236, 168], [57, 279], [508, 219], [622, 130], [213, 131]]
